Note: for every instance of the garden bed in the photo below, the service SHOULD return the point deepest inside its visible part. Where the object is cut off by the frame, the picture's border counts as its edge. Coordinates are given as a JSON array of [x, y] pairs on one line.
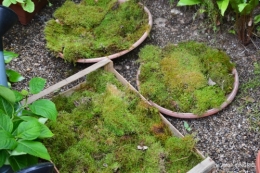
[[124, 134]]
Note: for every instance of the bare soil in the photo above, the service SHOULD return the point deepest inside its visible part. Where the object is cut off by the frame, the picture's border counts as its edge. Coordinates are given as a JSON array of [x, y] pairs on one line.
[[228, 137]]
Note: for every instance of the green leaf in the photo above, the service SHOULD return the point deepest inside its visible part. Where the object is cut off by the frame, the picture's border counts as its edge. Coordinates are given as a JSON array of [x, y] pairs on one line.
[[6, 107], [36, 85], [6, 123], [29, 130], [44, 108], [7, 94], [241, 7], [6, 3], [34, 148], [186, 125], [28, 6], [3, 156], [188, 2], [9, 56], [7, 140], [222, 5], [18, 162], [257, 19], [14, 76], [18, 96]]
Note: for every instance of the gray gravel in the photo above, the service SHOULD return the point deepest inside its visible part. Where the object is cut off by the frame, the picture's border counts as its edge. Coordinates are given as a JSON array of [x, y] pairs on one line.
[[226, 137]]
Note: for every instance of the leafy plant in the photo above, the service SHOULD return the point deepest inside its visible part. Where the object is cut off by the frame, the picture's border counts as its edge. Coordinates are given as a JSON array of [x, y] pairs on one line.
[[187, 126], [13, 76], [27, 5], [22, 126]]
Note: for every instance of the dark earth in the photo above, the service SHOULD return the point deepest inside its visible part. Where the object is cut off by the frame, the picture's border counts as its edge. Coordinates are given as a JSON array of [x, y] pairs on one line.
[[230, 137]]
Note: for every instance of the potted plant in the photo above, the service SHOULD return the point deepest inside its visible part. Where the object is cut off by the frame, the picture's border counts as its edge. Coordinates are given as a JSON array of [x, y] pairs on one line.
[[104, 125], [25, 9], [90, 31], [188, 80], [257, 162], [23, 126]]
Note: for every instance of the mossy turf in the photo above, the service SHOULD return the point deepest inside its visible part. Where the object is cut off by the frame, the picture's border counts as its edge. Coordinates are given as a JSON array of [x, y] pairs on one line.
[[94, 29], [181, 78], [101, 125]]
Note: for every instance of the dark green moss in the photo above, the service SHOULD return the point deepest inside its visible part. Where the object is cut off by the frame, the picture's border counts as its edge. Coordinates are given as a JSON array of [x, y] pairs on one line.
[[177, 76], [95, 28], [103, 129]]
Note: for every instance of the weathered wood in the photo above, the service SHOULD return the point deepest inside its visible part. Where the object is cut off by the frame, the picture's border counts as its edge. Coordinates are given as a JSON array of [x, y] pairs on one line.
[[206, 166]]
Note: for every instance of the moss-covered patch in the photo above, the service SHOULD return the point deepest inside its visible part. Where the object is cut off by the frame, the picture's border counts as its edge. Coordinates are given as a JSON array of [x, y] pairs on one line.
[[95, 28], [100, 127], [180, 78]]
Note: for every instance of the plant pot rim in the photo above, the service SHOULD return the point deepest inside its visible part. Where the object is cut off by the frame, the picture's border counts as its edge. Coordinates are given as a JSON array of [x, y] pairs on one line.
[[209, 112], [118, 54], [257, 162]]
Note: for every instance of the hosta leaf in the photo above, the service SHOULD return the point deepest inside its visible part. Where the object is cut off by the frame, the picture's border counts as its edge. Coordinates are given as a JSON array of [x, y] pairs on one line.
[[9, 56], [36, 85], [44, 108], [188, 2], [7, 94], [29, 130], [6, 123], [6, 107], [14, 76], [3, 156], [7, 140], [34, 148]]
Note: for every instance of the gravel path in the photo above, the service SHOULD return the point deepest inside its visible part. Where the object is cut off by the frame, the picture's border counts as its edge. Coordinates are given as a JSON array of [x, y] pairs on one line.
[[226, 137]]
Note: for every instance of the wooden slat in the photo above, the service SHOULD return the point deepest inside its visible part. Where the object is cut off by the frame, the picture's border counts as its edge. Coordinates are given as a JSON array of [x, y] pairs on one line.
[[206, 166]]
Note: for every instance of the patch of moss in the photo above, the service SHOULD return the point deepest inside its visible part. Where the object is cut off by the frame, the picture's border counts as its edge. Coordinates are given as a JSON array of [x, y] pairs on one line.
[[176, 77], [92, 29], [103, 127]]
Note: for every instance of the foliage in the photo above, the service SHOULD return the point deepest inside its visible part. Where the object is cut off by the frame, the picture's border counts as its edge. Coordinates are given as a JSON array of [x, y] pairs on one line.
[[22, 126], [27, 5], [243, 13], [89, 30], [121, 123], [179, 79], [13, 76]]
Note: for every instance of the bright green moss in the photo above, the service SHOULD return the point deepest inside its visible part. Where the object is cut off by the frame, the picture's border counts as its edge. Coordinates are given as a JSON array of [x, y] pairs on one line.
[[95, 28], [177, 77], [103, 127]]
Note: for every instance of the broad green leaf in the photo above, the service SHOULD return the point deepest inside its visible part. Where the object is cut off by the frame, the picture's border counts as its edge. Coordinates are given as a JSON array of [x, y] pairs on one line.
[[18, 162], [3, 156], [257, 19], [18, 96], [6, 107], [45, 108], [16, 153], [42, 120], [188, 2], [14, 76], [45, 132], [9, 56], [7, 140], [29, 130], [222, 5], [6, 123], [7, 94], [36, 85], [28, 6], [6, 3], [241, 7], [34, 148]]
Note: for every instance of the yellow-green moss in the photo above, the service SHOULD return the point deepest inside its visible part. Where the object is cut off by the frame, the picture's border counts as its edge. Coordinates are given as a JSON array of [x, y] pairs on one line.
[[95, 28], [176, 77], [104, 125]]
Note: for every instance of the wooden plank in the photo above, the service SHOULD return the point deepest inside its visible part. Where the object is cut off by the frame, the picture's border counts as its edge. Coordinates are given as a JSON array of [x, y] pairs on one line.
[[206, 166]]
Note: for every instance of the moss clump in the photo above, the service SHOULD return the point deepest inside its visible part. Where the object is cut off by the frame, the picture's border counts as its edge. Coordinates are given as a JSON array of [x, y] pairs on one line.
[[95, 28], [177, 77], [104, 126]]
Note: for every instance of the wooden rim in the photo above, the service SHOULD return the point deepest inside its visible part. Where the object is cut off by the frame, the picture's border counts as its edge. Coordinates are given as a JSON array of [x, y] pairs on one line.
[[118, 54], [168, 112]]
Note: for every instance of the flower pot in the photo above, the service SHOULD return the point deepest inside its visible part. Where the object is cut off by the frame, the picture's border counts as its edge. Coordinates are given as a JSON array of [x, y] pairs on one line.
[[186, 115], [25, 17], [257, 162], [206, 166], [117, 54]]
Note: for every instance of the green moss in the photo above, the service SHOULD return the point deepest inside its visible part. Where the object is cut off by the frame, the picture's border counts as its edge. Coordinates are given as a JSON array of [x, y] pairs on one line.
[[176, 77], [104, 125], [95, 28]]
